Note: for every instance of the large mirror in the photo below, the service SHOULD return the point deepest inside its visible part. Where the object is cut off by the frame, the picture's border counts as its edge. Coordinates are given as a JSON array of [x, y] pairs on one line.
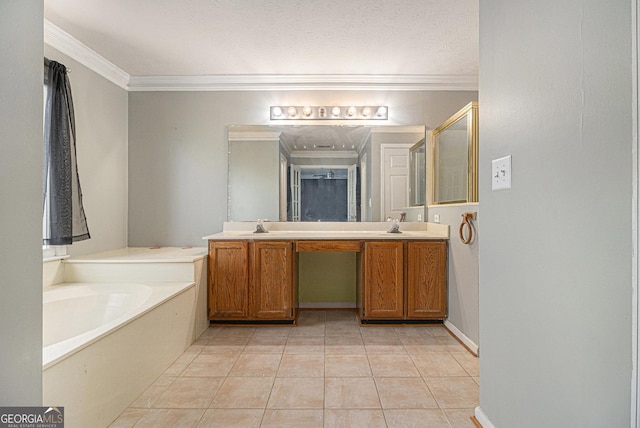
[[455, 158], [314, 172]]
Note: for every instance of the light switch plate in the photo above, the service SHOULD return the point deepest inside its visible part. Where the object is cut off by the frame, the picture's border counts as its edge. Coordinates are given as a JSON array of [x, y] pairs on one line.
[[436, 218], [501, 173]]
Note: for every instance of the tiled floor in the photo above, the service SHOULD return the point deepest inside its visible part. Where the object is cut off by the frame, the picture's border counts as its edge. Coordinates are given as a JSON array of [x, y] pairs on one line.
[[327, 372]]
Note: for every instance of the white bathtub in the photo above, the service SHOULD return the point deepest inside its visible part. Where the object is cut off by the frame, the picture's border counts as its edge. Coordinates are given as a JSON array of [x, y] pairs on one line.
[[76, 315], [105, 343]]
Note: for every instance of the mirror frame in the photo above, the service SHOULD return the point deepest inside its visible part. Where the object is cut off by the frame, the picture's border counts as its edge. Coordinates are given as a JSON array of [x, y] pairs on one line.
[[414, 177], [471, 113]]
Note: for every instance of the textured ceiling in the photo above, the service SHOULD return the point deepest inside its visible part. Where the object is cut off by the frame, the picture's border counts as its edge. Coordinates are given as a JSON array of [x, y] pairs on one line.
[[273, 37]]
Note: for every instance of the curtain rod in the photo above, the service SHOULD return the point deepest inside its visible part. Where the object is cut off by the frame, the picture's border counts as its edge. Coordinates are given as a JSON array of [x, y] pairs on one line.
[[46, 64]]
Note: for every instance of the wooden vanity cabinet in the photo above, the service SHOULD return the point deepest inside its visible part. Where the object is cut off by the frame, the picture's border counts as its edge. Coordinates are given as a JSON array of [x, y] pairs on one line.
[[251, 280], [426, 280], [383, 280], [404, 280], [228, 280], [271, 296]]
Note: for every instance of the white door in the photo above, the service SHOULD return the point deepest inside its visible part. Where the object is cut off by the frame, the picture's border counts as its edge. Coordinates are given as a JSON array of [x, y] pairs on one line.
[[295, 193], [352, 181], [394, 179]]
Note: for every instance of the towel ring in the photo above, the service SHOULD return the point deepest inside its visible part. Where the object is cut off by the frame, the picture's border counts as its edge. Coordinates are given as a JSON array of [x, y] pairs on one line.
[[465, 222]]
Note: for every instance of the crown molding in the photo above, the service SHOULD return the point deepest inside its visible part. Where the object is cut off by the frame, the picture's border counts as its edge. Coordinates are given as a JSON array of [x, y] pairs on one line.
[[305, 82], [67, 44]]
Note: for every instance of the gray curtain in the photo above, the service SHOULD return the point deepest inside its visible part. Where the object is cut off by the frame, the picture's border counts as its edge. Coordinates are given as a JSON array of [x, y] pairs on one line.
[[64, 218]]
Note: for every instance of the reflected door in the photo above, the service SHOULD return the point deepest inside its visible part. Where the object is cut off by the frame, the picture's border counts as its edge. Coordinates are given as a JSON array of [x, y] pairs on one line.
[[394, 179], [352, 202], [295, 193]]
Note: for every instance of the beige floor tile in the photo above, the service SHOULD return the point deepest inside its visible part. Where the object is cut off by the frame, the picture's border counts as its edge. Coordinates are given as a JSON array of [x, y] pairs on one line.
[[157, 388], [451, 344], [341, 315], [468, 362], [420, 341], [344, 350], [381, 341], [385, 349], [301, 365], [254, 365], [460, 418], [416, 418], [347, 366], [354, 418], [439, 331], [183, 418], [425, 349], [189, 393], [413, 331], [128, 418], [351, 393], [229, 340], [454, 392], [270, 331], [476, 379], [219, 348], [292, 419], [343, 341], [377, 331], [304, 345], [231, 418], [263, 349], [392, 366], [213, 365], [297, 393], [404, 393], [243, 393], [236, 331], [267, 340], [179, 365], [438, 364]]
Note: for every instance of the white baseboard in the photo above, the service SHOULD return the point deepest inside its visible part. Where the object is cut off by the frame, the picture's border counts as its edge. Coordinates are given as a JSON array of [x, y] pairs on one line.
[[482, 417], [326, 305], [460, 335]]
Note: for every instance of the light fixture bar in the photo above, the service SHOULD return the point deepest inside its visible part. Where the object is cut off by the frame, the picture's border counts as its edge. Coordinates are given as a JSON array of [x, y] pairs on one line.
[[330, 112]]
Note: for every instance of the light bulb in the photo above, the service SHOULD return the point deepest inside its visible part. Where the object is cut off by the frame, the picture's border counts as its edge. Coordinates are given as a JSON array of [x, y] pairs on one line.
[[351, 111], [277, 111], [366, 111], [335, 111], [382, 111], [307, 111], [292, 111]]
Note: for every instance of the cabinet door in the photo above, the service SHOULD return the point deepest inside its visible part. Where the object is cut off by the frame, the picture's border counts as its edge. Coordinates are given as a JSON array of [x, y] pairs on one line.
[[272, 280], [228, 279], [427, 280], [383, 289]]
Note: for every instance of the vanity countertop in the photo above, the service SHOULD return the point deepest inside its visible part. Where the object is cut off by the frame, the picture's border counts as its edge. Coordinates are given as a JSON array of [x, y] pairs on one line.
[[330, 231]]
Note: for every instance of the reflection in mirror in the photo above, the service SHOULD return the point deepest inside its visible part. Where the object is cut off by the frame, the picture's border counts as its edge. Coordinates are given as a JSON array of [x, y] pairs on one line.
[[308, 172], [455, 158], [417, 173]]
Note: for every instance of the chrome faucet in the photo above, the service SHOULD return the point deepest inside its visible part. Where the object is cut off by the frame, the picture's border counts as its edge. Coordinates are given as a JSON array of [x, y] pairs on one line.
[[260, 227], [395, 226]]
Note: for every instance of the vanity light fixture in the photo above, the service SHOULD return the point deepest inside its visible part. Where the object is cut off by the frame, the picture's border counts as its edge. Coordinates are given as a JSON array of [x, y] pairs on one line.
[[329, 113]]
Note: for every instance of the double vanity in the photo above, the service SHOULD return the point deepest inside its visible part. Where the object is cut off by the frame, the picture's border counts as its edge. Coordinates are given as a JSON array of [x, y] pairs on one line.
[[400, 277]]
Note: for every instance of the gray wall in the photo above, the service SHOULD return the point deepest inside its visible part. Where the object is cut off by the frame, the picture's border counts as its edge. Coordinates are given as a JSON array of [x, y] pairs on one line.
[[462, 293], [178, 150], [100, 109], [555, 262], [21, 77], [254, 186]]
